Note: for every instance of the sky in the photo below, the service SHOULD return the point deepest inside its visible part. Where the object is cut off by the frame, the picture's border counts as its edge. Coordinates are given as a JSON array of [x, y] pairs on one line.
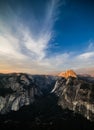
[[46, 36]]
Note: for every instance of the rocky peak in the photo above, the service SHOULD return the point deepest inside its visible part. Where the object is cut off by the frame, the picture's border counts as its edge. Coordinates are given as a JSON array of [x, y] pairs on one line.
[[67, 74]]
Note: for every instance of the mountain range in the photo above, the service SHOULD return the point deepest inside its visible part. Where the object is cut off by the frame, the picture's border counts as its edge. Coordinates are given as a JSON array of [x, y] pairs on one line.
[[45, 101]]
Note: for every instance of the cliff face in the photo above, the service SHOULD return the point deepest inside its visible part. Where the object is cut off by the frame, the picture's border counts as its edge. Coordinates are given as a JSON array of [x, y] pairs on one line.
[[77, 95], [17, 90]]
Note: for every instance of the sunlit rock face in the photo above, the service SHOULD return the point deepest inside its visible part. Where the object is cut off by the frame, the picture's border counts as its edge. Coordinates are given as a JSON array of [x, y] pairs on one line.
[[76, 94], [67, 74], [17, 90]]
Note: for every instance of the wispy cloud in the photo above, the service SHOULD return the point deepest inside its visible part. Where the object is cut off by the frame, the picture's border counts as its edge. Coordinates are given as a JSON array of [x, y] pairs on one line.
[[18, 45], [86, 56], [90, 46], [21, 49]]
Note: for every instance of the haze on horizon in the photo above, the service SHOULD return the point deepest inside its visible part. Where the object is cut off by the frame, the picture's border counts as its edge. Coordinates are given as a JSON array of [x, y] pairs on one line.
[[46, 36]]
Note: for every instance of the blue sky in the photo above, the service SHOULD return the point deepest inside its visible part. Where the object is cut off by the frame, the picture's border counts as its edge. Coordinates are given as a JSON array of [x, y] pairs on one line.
[[46, 36]]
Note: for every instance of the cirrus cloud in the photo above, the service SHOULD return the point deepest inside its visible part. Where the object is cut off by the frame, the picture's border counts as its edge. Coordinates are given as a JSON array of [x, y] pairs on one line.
[[22, 50]]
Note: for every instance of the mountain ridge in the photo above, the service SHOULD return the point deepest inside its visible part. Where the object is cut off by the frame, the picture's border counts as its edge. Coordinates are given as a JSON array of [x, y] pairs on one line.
[[73, 92]]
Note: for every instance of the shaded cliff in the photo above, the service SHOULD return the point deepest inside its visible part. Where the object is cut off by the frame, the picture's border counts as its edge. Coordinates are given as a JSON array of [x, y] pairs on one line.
[[17, 90], [46, 102], [76, 94], [44, 113]]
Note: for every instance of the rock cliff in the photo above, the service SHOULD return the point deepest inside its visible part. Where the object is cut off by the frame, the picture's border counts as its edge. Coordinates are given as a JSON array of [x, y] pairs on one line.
[[76, 94], [17, 90]]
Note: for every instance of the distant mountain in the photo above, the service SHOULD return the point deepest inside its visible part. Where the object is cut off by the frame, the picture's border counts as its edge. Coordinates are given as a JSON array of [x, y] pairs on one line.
[[85, 71]]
